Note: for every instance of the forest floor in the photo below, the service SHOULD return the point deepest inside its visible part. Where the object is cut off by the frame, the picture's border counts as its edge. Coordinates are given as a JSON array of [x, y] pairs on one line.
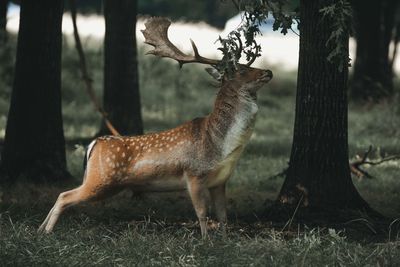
[[161, 229]]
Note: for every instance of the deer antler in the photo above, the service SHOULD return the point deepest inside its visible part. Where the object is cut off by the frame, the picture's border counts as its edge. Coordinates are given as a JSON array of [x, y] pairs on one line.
[[156, 34], [254, 57]]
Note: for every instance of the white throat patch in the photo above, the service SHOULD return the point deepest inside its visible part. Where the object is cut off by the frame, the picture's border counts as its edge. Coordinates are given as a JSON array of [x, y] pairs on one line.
[[238, 133]]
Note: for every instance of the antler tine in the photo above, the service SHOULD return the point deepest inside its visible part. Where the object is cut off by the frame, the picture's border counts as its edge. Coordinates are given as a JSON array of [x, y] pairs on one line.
[[254, 56], [156, 34], [200, 58], [240, 48]]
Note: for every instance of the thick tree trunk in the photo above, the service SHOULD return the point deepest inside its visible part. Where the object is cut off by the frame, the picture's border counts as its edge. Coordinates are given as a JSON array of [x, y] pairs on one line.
[[318, 175], [374, 25], [34, 146], [3, 20], [121, 84]]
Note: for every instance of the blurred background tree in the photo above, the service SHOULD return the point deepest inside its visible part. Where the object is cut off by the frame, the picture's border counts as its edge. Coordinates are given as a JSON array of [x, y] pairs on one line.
[[376, 29], [121, 98], [214, 12], [3, 20], [34, 145]]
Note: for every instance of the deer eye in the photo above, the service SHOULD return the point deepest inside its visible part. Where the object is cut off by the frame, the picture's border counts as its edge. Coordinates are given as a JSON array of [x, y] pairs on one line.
[[242, 72]]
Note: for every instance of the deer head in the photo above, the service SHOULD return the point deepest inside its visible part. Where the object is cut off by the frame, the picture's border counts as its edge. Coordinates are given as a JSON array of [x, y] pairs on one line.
[[244, 78]]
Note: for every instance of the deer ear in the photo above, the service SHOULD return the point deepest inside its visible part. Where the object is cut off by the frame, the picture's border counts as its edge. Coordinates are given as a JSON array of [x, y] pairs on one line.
[[214, 73]]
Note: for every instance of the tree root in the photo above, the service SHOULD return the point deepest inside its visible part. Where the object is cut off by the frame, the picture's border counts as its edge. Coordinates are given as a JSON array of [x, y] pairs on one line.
[[359, 223]]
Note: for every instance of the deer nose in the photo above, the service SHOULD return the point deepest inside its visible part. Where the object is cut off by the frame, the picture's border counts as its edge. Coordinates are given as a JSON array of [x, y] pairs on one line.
[[266, 76], [269, 74]]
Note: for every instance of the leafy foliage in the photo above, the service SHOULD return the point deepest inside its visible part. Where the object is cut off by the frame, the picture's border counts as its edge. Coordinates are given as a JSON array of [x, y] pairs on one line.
[[339, 13], [254, 14]]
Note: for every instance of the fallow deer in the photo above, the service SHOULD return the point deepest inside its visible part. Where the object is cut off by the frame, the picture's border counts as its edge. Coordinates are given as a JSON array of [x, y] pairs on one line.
[[198, 156]]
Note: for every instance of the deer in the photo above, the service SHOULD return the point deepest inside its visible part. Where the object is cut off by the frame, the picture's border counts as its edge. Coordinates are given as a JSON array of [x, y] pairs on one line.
[[198, 156]]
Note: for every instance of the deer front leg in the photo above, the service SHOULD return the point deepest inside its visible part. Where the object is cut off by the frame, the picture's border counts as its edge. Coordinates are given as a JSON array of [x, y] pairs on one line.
[[198, 193], [219, 202]]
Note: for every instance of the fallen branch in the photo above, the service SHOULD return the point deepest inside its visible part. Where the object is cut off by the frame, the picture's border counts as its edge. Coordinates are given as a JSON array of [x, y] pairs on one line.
[[85, 75], [355, 166]]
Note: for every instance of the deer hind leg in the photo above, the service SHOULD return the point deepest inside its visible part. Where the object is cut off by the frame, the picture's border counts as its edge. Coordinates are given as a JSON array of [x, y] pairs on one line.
[[64, 200], [219, 202], [84, 193], [199, 195]]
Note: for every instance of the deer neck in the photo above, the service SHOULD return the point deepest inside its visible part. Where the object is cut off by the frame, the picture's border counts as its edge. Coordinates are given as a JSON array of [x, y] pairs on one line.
[[231, 122]]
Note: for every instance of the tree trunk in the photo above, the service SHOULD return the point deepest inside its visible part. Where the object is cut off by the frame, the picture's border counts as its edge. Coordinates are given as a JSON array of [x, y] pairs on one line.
[[318, 175], [121, 84], [3, 20], [374, 25], [34, 146], [211, 7]]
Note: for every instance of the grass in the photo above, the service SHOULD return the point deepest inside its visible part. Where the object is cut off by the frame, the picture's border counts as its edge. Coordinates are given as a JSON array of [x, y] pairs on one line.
[[149, 243], [161, 229]]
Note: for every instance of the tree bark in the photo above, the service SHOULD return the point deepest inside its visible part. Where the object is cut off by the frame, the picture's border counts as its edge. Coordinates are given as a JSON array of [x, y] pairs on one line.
[[34, 146], [121, 98], [318, 175], [374, 23]]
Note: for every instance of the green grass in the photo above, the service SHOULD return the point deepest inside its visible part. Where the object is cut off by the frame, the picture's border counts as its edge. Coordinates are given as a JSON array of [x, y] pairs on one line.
[[161, 229], [154, 243]]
